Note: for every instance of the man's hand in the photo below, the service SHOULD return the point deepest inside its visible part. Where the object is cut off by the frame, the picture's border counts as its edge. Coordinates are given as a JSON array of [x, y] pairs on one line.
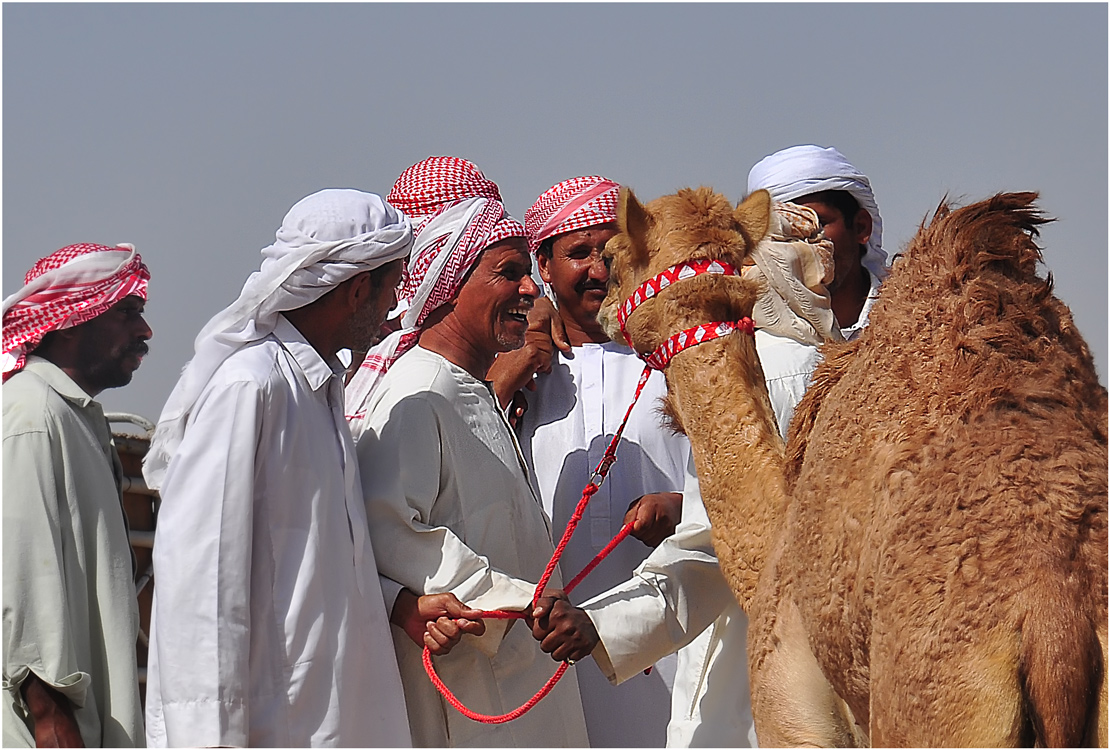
[[563, 630], [654, 517], [513, 370], [518, 406], [437, 621], [543, 317], [52, 715]]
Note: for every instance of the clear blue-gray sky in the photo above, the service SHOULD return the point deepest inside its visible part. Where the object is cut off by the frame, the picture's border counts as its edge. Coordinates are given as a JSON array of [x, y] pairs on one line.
[[189, 130]]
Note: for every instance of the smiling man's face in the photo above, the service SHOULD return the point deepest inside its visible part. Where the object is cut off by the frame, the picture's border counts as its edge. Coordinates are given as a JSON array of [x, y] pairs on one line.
[[495, 299], [577, 273]]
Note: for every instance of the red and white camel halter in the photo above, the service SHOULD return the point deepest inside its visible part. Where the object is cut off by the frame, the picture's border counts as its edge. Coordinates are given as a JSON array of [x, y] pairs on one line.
[[657, 360], [662, 355]]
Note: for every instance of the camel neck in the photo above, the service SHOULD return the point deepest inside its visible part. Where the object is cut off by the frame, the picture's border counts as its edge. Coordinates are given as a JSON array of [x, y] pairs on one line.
[[720, 397]]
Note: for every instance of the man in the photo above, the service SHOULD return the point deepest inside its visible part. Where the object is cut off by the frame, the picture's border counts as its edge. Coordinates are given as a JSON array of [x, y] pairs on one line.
[[70, 614], [448, 499], [577, 405], [420, 192], [268, 626], [794, 315], [823, 180]]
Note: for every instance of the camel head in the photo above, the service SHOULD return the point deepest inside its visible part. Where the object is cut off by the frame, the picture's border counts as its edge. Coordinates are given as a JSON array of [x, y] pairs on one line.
[[692, 224]]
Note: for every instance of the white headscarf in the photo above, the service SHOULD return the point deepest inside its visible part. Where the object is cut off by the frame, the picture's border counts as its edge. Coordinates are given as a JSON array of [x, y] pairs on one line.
[[325, 239], [803, 170]]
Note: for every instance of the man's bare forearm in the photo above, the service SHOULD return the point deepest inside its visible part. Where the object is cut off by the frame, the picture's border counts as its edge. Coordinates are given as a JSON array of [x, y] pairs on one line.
[[52, 714]]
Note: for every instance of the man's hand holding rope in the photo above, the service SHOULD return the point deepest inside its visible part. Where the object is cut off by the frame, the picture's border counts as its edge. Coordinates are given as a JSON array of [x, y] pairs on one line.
[[438, 621], [563, 630]]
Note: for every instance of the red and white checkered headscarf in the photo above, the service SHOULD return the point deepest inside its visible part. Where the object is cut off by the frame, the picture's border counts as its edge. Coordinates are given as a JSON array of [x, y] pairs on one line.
[[66, 288], [438, 181], [427, 188], [573, 204], [449, 245]]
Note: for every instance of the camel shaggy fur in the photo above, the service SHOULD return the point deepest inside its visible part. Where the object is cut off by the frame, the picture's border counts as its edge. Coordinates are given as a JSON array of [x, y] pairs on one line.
[[926, 563]]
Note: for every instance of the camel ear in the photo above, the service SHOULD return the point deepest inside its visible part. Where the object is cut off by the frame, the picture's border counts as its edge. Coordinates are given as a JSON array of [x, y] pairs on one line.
[[754, 215], [634, 220]]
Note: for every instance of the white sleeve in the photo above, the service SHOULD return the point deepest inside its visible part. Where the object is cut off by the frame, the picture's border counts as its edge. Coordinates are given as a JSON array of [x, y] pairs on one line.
[[401, 464], [675, 594], [202, 564], [785, 394]]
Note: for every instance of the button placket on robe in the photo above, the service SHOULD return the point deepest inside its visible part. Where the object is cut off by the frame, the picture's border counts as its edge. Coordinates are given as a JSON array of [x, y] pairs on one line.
[[592, 391], [516, 445]]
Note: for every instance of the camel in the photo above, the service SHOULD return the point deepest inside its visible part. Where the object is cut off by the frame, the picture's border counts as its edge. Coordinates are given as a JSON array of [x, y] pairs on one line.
[[925, 562]]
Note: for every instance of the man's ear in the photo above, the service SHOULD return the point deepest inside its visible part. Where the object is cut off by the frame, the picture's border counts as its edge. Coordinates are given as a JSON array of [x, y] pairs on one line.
[[634, 220], [543, 263], [358, 291], [754, 215], [863, 225]]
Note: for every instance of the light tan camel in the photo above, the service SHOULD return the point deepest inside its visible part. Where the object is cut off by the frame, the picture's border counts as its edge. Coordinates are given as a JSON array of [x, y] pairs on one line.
[[931, 548]]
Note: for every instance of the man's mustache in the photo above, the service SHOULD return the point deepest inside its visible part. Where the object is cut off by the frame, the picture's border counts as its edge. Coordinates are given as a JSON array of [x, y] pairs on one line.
[[141, 348]]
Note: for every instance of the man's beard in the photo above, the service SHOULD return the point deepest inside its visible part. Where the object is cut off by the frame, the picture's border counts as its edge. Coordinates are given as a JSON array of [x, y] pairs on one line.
[[108, 370], [363, 331]]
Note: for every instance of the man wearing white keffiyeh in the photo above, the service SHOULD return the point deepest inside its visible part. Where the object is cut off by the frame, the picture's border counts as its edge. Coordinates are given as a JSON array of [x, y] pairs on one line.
[[822, 179], [268, 626]]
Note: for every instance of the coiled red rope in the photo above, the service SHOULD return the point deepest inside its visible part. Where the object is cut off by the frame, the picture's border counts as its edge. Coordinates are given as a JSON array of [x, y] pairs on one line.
[[598, 478]]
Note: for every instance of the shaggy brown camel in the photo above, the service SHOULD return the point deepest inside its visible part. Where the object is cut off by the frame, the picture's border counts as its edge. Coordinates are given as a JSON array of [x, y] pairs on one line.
[[931, 549]]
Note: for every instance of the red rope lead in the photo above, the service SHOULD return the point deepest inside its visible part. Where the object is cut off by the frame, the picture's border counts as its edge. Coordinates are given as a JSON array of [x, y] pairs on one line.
[[620, 537], [588, 491], [516, 713]]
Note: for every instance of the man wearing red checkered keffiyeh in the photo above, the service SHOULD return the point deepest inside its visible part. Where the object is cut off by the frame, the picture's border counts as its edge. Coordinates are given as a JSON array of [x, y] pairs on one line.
[[577, 402], [70, 616], [66, 288], [448, 501], [446, 248]]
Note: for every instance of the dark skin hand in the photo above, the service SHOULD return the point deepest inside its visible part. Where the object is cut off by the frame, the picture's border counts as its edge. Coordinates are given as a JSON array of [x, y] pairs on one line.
[[518, 406], [52, 715], [438, 621], [512, 371], [654, 517], [563, 630]]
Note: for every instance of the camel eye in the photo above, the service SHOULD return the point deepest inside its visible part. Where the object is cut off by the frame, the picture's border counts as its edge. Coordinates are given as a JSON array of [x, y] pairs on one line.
[[614, 277]]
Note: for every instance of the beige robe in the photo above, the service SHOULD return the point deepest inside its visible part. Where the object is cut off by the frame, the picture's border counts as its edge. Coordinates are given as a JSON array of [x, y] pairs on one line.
[[70, 614]]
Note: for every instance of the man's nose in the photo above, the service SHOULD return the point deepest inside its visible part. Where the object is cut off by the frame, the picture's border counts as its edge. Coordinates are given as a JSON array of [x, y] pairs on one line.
[[528, 286], [144, 330], [599, 270]]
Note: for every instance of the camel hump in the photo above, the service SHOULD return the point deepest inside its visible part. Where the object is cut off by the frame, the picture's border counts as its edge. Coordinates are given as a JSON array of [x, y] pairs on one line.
[[1062, 663], [998, 234]]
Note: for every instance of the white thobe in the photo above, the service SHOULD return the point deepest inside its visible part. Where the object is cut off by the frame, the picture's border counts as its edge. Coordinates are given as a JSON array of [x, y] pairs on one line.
[[788, 370], [450, 509], [853, 331], [70, 614], [269, 626], [677, 600], [571, 418]]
